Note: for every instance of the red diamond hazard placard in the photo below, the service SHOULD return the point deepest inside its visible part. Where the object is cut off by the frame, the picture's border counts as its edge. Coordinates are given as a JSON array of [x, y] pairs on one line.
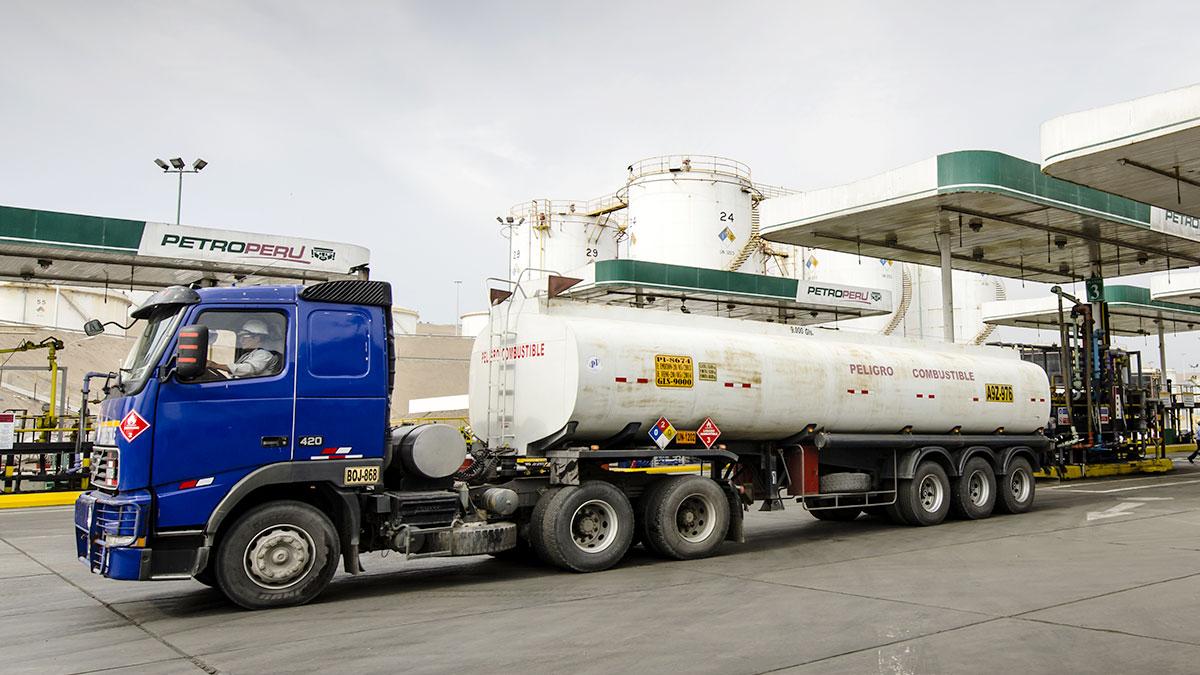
[[708, 432], [132, 426]]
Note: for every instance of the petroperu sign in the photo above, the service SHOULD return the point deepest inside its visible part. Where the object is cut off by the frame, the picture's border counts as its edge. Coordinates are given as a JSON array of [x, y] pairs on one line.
[[223, 246], [838, 295], [1175, 224]]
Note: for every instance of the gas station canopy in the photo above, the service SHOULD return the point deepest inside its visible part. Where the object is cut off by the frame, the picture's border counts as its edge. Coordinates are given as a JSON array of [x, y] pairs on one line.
[[1178, 287], [1000, 215], [93, 251], [730, 294], [1146, 149], [1131, 312]]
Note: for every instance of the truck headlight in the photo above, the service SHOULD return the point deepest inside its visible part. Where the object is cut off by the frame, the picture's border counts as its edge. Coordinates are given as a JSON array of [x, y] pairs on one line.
[[112, 540]]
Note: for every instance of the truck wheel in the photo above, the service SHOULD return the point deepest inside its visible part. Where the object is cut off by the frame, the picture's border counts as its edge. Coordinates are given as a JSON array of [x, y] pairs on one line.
[[278, 554], [1017, 488], [582, 528], [687, 518], [974, 493], [924, 500], [842, 514], [640, 511]]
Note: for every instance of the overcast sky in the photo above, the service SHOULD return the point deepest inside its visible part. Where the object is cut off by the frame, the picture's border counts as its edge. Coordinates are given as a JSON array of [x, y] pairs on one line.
[[407, 127]]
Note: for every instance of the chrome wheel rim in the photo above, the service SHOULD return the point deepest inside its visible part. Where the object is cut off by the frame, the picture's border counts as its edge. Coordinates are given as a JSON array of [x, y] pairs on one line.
[[1018, 482], [930, 494], [978, 488], [694, 519], [594, 526], [279, 556]]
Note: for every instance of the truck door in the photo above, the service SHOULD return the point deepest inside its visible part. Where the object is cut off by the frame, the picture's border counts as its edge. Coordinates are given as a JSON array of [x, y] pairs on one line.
[[209, 433], [342, 385]]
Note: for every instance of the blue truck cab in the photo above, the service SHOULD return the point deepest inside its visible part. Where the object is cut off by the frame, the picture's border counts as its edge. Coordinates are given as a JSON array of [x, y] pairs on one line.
[[246, 442]]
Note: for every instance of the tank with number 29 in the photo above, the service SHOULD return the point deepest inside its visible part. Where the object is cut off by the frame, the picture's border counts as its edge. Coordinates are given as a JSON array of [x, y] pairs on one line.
[[596, 369]]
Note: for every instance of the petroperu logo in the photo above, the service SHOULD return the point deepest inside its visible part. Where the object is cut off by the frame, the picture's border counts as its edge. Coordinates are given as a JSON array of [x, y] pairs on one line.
[[132, 426], [323, 254], [845, 294], [245, 249]]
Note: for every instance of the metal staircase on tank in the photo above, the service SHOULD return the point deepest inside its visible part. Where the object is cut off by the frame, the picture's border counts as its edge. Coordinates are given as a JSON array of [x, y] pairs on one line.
[[986, 332], [906, 293]]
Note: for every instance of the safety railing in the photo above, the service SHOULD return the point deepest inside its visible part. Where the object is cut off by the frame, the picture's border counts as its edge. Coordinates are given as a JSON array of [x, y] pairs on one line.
[[685, 163], [55, 466]]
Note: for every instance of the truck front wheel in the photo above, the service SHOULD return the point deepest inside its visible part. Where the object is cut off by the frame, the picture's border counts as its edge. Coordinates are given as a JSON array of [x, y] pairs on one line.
[[582, 528], [686, 518], [277, 554]]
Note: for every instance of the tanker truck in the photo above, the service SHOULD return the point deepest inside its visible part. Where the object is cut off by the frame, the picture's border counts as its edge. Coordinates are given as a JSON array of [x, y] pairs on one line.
[[245, 441]]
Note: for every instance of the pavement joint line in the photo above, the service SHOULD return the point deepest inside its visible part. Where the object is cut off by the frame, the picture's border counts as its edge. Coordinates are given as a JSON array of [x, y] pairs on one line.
[[195, 660], [1022, 615], [24, 576], [128, 665], [1111, 631], [879, 646]]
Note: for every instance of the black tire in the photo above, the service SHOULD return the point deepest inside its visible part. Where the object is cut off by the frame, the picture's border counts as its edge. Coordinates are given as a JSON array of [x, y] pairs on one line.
[[639, 511], [973, 495], [1015, 490], [303, 546], [842, 515], [687, 518], [892, 511], [582, 528], [924, 500]]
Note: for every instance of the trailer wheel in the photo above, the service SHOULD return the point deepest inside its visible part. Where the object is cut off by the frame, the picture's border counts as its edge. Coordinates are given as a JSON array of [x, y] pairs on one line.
[[687, 518], [924, 500], [974, 493], [582, 528], [842, 514], [1017, 488], [640, 512], [277, 554]]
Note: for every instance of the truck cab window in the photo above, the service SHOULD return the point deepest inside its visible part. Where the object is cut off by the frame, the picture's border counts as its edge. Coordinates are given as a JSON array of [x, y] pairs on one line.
[[244, 344]]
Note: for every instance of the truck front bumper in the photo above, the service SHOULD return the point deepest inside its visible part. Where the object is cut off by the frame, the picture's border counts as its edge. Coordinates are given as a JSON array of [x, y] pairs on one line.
[[110, 533]]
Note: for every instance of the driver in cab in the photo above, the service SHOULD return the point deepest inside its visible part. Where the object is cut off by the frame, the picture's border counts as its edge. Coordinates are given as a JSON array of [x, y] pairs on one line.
[[254, 359]]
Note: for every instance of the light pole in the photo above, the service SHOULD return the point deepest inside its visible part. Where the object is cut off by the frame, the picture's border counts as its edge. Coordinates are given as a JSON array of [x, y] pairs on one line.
[[177, 166], [457, 313]]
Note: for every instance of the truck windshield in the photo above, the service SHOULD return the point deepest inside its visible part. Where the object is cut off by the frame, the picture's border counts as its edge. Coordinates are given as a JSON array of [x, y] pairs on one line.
[[144, 355]]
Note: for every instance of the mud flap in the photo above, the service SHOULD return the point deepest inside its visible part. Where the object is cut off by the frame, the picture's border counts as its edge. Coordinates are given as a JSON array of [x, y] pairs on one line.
[[737, 517]]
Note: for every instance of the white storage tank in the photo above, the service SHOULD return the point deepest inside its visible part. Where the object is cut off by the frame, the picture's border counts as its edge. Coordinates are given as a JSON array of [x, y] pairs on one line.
[[558, 235], [603, 367], [64, 307], [404, 321], [473, 323], [690, 210]]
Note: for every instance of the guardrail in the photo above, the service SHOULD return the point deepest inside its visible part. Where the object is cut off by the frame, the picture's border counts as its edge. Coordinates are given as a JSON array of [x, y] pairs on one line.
[[55, 466]]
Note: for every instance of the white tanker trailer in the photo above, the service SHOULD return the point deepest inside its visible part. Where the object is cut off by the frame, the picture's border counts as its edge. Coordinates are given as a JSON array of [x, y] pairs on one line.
[[843, 423]]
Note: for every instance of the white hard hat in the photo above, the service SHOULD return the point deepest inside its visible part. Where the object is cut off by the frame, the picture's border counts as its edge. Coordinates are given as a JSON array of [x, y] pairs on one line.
[[255, 327]]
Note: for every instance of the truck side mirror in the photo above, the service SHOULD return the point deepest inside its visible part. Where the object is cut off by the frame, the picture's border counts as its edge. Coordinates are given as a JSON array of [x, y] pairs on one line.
[[191, 352], [93, 328]]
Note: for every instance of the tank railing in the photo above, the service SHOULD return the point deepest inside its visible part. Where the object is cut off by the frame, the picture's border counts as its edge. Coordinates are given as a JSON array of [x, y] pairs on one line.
[[768, 191], [687, 163], [567, 207]]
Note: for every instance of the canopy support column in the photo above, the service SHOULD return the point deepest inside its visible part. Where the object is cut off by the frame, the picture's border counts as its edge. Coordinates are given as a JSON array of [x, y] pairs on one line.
[[947, 271]]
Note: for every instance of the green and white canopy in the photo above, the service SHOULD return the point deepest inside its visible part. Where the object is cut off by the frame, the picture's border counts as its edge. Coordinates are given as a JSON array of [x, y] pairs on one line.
[[1131, 311], [94, 251], [1146, 149], [1003, 215]]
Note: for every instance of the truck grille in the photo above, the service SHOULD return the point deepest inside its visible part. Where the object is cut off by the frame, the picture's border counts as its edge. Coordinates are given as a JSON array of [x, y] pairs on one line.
[[104, 467], [96, 520]]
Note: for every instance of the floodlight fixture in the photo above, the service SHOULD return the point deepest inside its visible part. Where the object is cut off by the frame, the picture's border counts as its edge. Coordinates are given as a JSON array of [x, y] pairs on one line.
[[199, 164], [178, 163], [161, 164]]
